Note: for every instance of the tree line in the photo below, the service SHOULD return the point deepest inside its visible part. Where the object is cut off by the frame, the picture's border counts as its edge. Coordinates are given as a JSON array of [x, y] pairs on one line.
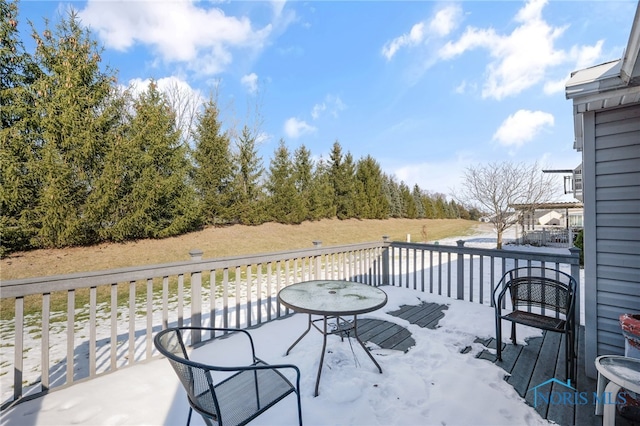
[[86, 161]]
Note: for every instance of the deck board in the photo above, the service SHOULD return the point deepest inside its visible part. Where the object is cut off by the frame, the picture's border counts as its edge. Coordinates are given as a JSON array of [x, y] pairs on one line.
[[525, 366]]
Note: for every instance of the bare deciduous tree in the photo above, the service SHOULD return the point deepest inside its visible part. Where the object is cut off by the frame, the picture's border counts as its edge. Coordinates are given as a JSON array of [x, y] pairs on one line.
[[494, 188], [185, 103]]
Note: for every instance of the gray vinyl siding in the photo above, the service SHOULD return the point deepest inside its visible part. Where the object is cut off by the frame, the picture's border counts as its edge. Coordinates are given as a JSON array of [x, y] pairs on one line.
[[616, 167]]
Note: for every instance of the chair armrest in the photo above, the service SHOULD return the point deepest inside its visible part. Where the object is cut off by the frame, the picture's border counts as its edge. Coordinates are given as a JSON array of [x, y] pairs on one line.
[[230, 330], [266, 366], [499, 292], [263, 366]]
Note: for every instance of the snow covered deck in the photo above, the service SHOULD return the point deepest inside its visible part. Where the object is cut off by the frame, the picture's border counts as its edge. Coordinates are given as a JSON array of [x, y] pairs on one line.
[[437, 356]]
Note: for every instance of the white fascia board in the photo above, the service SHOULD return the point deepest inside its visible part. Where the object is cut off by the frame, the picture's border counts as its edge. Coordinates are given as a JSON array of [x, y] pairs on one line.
[[630, 68]]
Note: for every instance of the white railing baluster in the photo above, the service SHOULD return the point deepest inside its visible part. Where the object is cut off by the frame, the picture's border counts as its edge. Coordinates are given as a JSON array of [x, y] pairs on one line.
[[238, 289], [92, 330], [165, 302], [180, 300], [46, 303], [114, 327], [71, 311], [18, 363], [225, 298], [132, 323], [149, 340], [212, 299]]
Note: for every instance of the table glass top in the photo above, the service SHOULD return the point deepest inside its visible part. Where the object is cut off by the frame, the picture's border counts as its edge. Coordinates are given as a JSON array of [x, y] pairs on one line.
[[626, 369], [330, 297]]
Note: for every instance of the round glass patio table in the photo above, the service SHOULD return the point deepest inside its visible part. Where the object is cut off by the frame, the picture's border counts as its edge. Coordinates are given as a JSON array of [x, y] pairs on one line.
[[332, 299], [619, 372]]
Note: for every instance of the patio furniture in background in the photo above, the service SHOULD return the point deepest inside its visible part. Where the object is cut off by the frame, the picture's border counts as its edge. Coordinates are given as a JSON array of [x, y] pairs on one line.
[[543, 298], [332, 299], [246, 391], [619, 372]]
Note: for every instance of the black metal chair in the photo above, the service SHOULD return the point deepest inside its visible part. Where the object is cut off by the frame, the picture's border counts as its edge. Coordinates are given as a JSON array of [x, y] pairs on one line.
[[244, 394], [543, 298]]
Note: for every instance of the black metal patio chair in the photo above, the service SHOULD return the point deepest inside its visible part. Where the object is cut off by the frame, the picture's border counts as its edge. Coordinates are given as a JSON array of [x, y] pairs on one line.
[[246, 391], [543, 298]]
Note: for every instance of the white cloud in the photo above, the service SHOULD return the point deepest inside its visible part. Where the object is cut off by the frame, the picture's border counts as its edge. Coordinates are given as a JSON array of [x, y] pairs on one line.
[[520, 59], [556, 86], [166, 84], [317, 110], [586, 56], [522, 127], [178, 31], [445, 20], [412, 38], [441, 24], [295, 128], [461, 88], [332, 104], [250, 81]]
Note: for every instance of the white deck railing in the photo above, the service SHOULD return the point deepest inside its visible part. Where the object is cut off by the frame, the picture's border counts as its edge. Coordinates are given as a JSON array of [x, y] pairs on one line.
[[110, 317]]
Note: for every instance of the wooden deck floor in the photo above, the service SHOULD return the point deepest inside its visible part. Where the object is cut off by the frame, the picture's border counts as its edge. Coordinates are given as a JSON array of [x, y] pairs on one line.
[[525, 366]]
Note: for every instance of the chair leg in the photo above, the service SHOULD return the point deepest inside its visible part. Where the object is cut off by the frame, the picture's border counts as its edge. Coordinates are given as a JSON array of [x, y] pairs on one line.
[[299, 409], [567, 356], [513, 333], [189, 417], [571, 356], [574, 355], [499, 339]]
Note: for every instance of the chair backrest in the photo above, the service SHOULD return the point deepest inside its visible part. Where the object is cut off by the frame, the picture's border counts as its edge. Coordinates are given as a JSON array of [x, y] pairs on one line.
[[196, 378], [544, 288]]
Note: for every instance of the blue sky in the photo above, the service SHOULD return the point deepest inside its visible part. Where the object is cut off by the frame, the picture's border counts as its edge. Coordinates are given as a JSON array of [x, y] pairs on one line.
[[426, 88]]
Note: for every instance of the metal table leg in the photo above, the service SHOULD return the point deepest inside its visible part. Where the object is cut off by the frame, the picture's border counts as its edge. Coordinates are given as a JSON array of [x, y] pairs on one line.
[[301, 336], [324, 346], [355, 332]]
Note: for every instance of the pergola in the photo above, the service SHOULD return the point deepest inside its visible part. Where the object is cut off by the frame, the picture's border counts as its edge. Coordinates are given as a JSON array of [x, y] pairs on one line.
[[527, 210]]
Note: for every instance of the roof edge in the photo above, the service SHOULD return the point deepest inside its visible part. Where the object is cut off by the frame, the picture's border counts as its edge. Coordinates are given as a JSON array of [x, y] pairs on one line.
[[630, 69]]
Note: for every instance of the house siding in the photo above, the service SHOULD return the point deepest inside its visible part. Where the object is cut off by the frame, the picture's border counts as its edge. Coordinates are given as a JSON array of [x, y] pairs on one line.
[[616, 198]]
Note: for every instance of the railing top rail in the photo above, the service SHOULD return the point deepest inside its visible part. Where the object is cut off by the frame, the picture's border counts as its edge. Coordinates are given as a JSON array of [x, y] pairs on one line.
[[571, 259], [26, 286]]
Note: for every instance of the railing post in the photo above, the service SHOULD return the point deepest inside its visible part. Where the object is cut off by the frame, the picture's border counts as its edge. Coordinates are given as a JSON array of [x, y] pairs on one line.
[[384, 279], [317, 244], [196, 296], [460, 277], [575, 273]]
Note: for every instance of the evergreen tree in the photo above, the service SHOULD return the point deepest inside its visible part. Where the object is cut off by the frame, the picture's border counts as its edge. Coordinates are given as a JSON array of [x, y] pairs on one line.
[[453, 211], [429, 207], [342, 178], [409, 209], [213, 172], [321, 199], [284, 202], [440, 207], [303, 178], [348, 193], [76, 117], [474, 213], [19, 150], [247, 191], [369, 176], [417, 199], [144, 190], [392, 192]]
